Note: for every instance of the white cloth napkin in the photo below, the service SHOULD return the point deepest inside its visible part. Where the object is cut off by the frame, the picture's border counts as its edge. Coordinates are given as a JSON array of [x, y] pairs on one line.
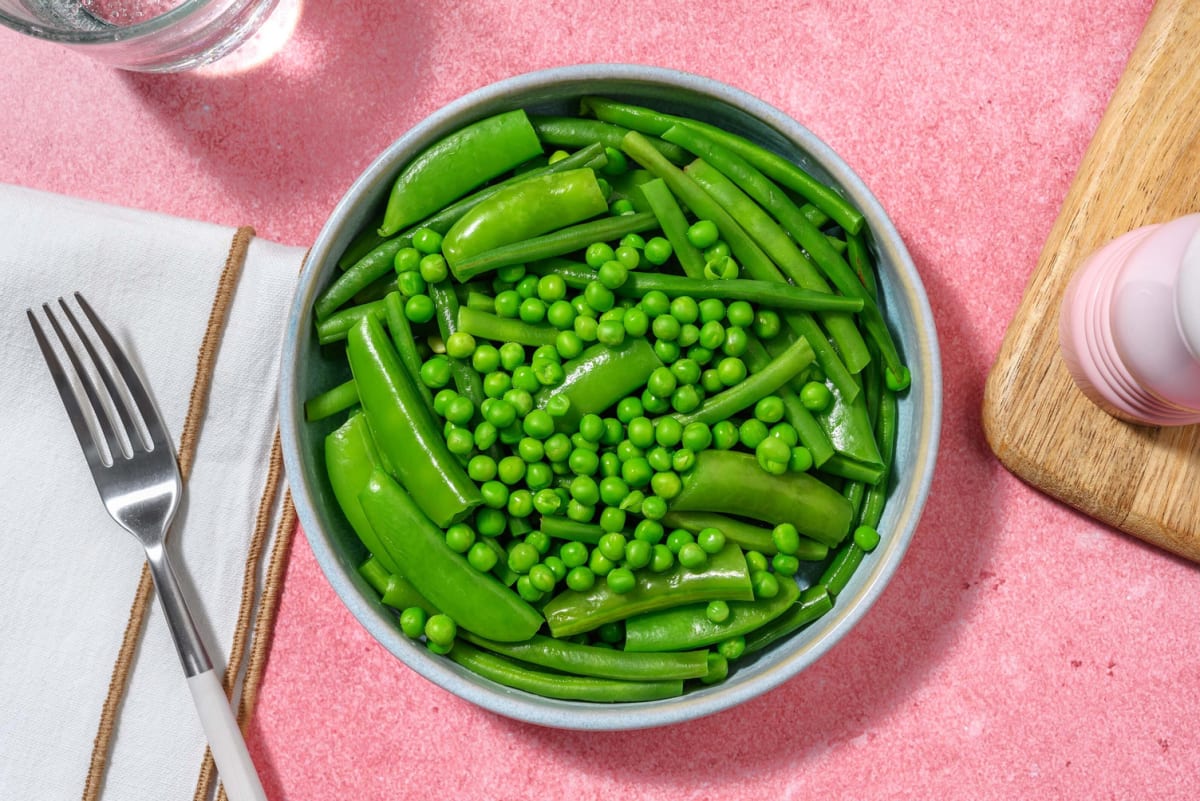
[[68, 573]]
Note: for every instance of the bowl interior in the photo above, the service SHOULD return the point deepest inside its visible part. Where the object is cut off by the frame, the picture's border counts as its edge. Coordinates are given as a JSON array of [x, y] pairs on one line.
[[307, 370]]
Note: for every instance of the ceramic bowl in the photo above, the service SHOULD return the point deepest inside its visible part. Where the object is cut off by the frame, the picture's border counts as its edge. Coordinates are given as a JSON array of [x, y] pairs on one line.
[[306, 370]]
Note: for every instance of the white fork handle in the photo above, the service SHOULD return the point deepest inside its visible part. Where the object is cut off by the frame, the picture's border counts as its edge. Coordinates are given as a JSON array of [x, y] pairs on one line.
[[225, 739]]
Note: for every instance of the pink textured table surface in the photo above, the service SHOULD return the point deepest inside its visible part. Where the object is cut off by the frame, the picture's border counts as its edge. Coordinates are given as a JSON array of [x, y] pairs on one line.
[[1022, 651]]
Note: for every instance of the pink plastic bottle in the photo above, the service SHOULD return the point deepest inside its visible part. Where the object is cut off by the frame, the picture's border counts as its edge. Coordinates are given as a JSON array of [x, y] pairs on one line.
[[1129, 328]]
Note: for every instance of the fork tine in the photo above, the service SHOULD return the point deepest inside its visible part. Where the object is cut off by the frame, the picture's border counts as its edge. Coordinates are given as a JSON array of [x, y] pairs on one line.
[[66, 391], [133, 381], [132, 432]]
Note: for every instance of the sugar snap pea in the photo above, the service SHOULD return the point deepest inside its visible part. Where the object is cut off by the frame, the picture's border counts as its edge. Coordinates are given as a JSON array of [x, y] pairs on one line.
[[458, 163], [607, 663]]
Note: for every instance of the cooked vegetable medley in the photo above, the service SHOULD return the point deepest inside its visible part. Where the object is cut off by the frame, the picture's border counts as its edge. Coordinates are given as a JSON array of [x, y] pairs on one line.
[[622, 405]]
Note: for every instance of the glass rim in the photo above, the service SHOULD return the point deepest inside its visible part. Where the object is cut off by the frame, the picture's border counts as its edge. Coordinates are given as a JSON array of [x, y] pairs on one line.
[[116, 35]]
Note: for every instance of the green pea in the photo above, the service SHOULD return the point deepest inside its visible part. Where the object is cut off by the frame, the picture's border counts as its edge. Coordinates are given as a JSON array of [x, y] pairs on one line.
[[696, 436], [621, 580], [668, 431], [460, 345], [499, 412], [496, 384], [636, 241], [703, 233], [767, 324], [732, 648], [725, 434], [597, 254], [655, 303], [663, 558], [612, 545], [508, 304], [581, 578], [485, 359], [427, 240], [586, 328], [485, 435], [801, 460], [816, 397], [740, 314], [756, 561], [406, 260], [731, 370], [736, 341], [712, 309], [525, 377], [692, 556], [629, 408], [494, 493], [549, 373], [412, 622], [512, 355], [482, 557], [866, 537], [685, 309], [527, 286], [666, 484], [720, 267], [636, 322], [481, 467], [612, 274], [659, 458], [490, 522], [686, 399], [710, 380], [561, 315], [419, 309], [585, 490], [637, 473], [610, 332], [460, 537], [678, 538], [440, 629], [751, 432], [551, 288], [532, 310], [683, 460], [640, 431], [583, 462], [666, 350], [662, 382], [521, 557], [665, 327], [711, 539], [658, 251], [612, 519], [538, 475], [786, 432], [613, 489], [600, 564], [459, 441], [785, 564], [764, 583], [558, 447], [546, 501], [433, 268], [654, 508], [598, 296], [686, 371], [786, 538], [629, 257]]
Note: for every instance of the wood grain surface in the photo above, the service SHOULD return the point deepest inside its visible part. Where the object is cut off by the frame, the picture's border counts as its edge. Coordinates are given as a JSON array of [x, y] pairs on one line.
[[1142, 166]]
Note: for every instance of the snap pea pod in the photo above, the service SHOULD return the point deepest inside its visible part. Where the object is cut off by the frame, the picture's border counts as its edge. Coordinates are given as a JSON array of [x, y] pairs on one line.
[[350, 460], [408, 438], [559, 131], [725, 577], [605, 663], [756, 386], [748, 253], [556, 243], [782, 170], [475, 601], [689, 627], [842, 328], [558, 685], [731, 482], [749, 536], [458, 163], [763, 293], [599, 377], [521, 211], [814, 602]]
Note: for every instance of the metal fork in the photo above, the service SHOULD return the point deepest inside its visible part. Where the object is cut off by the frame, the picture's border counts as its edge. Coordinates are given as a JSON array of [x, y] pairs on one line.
[[137, 474]]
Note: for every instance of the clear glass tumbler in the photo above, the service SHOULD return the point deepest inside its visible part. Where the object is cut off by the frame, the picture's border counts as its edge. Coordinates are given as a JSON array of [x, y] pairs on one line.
[[141, 35]]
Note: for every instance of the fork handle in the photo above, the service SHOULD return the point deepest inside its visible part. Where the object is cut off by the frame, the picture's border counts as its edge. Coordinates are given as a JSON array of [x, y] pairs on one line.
[[225, 739]]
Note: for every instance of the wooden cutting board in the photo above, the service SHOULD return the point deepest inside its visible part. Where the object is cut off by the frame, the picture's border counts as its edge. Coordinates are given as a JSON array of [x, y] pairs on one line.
[[1143, 166]]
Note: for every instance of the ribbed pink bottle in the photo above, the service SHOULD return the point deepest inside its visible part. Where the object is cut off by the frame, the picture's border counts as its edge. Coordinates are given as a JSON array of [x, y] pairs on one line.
[[1129, 327]]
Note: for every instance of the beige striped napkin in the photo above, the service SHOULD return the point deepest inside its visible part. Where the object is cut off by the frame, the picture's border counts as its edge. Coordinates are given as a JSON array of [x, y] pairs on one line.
[[93, 702]]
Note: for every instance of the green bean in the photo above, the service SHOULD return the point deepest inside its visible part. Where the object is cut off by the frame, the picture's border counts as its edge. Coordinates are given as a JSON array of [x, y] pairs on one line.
[[758, 385], [606, 663], [562, 528], [400, 330], [749, 536], [656, 123], [762, 293], [814, 602], [331, 401], [556, 243], [557, 685], [805, 233], [751, 257], [674, 225], [484, 325], [447, 309], [885, 435], [334, 327], [783, 250], [374, 265], [811, 434], [579, 131]]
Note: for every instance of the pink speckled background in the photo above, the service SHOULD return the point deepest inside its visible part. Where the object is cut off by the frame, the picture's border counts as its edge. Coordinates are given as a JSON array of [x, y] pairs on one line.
[[1022, 651]]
